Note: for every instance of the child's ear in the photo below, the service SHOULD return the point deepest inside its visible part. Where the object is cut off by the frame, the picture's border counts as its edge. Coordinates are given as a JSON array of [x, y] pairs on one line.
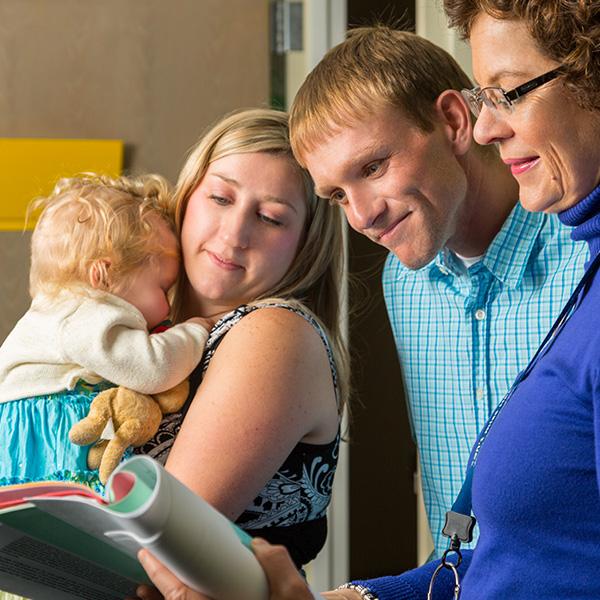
[[99, 273]]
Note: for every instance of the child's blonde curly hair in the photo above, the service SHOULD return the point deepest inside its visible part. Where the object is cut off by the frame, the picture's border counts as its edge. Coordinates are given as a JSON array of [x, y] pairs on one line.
[[89, 218]]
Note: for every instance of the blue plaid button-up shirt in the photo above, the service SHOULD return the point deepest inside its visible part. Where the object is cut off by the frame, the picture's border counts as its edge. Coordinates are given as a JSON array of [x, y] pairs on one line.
[[463, 335]]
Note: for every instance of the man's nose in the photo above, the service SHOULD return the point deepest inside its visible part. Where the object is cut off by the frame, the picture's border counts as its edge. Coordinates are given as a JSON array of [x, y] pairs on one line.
[[363, 210]]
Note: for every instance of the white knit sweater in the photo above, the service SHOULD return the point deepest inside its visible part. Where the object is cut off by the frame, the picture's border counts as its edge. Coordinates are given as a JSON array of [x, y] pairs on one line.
[[93, 336]]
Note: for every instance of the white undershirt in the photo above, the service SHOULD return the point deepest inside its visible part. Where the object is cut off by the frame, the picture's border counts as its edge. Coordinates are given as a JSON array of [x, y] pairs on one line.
[[467, 261]]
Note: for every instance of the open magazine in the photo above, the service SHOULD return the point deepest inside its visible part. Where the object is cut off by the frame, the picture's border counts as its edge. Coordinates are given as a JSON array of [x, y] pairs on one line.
[[61, 541]]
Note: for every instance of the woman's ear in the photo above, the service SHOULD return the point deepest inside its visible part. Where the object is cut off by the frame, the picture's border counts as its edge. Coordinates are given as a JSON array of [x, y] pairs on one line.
[[99, 273], [455, 115]]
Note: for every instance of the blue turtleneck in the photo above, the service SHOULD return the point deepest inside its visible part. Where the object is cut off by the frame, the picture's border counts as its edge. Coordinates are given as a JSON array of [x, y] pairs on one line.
[[585, 217]]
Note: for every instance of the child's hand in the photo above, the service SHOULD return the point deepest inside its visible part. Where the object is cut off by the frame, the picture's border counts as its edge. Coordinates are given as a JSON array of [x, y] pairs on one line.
[[208, 324]]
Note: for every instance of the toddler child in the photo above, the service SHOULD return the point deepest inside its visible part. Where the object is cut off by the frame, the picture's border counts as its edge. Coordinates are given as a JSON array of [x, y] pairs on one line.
[[104, 255]]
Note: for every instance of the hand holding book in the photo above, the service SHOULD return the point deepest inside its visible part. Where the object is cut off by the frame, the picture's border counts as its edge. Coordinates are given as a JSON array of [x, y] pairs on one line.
[[146, 507], [284, 580]]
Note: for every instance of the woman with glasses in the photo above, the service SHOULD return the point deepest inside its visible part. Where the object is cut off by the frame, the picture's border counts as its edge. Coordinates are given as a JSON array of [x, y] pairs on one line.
[[536, 483]]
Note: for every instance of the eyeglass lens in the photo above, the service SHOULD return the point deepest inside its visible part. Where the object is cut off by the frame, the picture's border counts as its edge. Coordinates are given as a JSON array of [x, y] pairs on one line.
[[472, 101], [501, 103], [497, 102]]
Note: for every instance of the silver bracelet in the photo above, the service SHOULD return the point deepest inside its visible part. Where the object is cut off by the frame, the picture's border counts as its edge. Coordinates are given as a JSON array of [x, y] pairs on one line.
[[364, 592]]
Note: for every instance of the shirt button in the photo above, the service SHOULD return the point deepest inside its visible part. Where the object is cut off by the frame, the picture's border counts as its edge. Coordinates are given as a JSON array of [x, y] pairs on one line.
[[480, 314], [479, 394]]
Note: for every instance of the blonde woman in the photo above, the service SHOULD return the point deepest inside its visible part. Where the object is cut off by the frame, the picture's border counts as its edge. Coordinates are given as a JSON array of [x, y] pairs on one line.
[[263, 258]]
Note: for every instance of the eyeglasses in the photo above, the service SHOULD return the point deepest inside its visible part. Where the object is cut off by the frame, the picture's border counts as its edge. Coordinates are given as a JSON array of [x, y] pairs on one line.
[[501, 103]]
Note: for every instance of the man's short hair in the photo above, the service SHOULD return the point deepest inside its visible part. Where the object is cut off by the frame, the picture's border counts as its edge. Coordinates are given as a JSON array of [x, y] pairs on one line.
[[375, 67]]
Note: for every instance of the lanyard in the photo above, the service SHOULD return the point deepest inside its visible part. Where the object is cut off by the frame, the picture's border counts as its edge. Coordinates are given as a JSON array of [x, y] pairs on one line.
[[459, 521]]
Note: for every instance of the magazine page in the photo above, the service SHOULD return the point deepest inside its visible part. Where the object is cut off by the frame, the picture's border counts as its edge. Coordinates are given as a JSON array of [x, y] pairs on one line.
[[67, 565], [196, 542], [51, 541], [148, 507], [201, 546], [11, 495]]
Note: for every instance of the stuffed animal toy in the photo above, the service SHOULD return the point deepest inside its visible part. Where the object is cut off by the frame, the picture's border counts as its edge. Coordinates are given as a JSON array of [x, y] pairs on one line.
[[135, 418]]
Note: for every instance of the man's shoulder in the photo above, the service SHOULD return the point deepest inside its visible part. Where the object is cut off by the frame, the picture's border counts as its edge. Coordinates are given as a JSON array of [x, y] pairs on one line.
[[531, 245]]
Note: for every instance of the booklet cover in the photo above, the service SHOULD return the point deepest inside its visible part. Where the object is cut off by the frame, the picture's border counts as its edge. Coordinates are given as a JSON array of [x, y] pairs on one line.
[[61, 541]]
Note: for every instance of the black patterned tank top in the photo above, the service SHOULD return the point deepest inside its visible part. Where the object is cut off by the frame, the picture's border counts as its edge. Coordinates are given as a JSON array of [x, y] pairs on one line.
[[291, 508]]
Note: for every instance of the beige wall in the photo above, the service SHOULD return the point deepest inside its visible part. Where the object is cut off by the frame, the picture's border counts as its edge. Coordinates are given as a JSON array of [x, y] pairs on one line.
[[153, 73]]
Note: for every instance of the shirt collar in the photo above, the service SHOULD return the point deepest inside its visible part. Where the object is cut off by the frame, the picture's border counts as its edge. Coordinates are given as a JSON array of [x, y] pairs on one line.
[[508, 254]]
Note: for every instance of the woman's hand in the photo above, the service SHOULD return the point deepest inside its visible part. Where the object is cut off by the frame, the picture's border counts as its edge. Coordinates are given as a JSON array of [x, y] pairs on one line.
[[285, 582], [165, 581]]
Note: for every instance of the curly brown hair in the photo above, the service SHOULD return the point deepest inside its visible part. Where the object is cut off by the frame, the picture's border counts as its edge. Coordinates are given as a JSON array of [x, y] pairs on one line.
[[565, 31]]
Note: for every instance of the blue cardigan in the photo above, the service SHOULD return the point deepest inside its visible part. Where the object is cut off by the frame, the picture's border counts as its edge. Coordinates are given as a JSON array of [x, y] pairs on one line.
[[536, 483]]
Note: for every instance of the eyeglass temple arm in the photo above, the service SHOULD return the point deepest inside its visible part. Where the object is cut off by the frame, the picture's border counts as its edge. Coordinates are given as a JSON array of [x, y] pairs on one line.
[[531, 85]]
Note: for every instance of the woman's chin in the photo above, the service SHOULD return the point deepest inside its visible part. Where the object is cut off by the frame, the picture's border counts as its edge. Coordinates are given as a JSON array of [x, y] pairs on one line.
[[541, 199]]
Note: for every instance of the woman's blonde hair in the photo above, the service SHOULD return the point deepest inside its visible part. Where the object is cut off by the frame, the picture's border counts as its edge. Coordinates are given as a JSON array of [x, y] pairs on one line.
[[91, 217], [317, 274]]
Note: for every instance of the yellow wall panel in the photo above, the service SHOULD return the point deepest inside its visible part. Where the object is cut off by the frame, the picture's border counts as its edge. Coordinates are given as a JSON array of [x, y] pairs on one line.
[[30, 168]]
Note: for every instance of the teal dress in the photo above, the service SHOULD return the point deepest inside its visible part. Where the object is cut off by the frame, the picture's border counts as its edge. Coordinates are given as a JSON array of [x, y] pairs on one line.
[[34, 438]]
